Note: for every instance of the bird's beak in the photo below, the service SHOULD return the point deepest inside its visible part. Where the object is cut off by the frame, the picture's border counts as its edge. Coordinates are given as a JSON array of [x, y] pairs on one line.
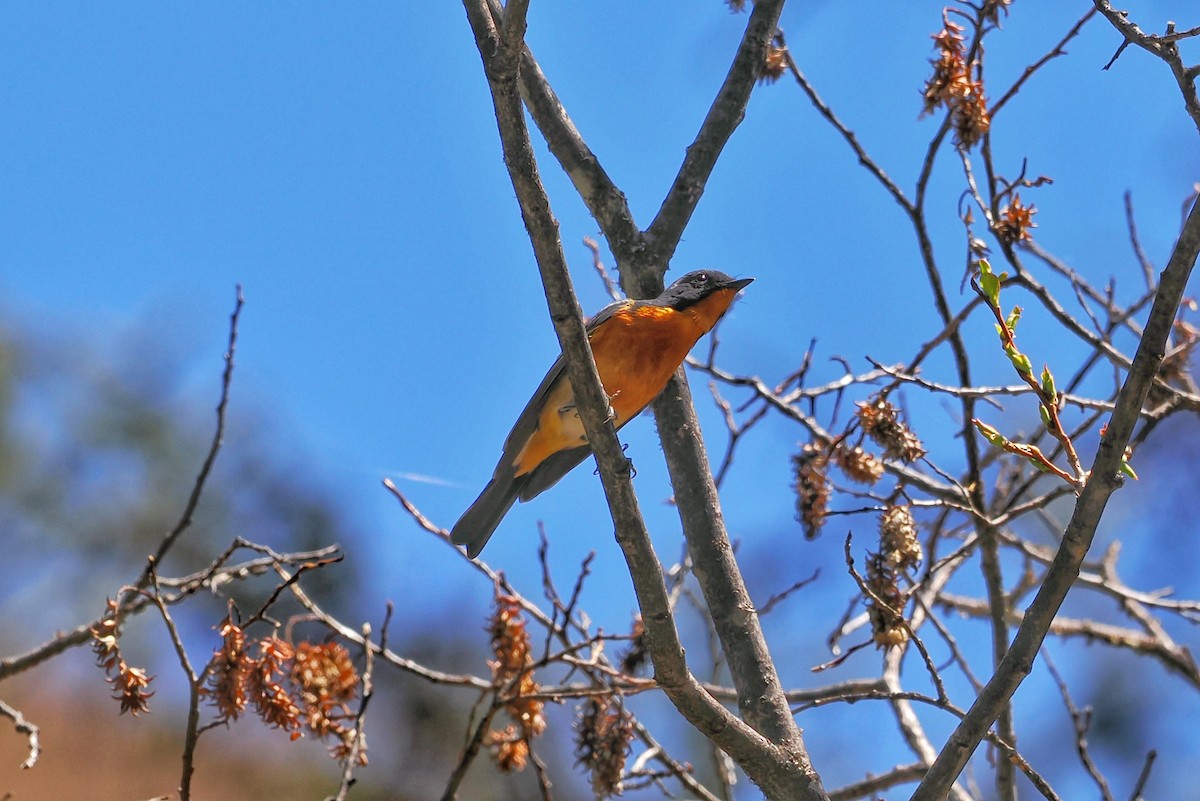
[[738, 285]]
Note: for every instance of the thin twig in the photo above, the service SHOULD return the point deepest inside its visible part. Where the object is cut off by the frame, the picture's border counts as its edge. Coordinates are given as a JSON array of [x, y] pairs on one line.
[[474, 744], [23, 726], [1081, 720], [195, 682], [1143, 777], [368, 684], [1136, 242], [848, 135], [1028, 72], [781, 596], [610, 286], [189, 509], [872, 785], [1105, 479]]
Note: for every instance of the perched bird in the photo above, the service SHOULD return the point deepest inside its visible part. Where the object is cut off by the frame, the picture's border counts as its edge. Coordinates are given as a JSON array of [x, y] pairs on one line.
[[637, 345]]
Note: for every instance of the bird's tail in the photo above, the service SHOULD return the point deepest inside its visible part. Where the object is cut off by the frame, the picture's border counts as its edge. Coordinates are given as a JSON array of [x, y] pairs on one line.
[[476, 525]]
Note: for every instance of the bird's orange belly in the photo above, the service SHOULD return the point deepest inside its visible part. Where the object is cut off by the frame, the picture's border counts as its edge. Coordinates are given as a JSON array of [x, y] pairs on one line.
[[636, 354]]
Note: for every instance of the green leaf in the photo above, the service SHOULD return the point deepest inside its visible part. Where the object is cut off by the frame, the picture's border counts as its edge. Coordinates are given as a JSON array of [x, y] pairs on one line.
[[990, 434], [1048, 387], [989, 283], [1128, 470], [1019, 360], [1039, 464], [1046, 419], [1013, 318]]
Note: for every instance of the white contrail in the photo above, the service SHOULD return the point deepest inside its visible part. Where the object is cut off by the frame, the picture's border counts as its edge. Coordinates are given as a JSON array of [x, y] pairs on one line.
[[421, 478]]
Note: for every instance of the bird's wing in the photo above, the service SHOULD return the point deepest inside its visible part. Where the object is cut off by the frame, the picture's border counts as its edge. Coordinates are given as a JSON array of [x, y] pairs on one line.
[[551, 471], [527, 422]]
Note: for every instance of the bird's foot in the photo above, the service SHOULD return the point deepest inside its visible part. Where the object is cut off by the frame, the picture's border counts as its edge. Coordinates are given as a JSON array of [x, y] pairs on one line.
[[632, 469]]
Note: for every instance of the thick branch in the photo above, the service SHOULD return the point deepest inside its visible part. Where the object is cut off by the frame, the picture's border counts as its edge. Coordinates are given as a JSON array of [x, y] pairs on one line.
[[604, 200], [1164, 47], [760, 695], [762, 698], [773, 768]]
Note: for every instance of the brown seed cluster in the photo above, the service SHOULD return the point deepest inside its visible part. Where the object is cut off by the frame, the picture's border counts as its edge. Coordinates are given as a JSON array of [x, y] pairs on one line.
[[886, 608], [130, 684], [306, 687], [510, 640], [899, 551], [327, 681], [898, 542], [603, 732], [510, 750], [812, 488], [1015, 221], [992, 8], [272, 701], [513, 666], [774, 64], [1176, 367], [881, 422], [954, 86], [1176, 364], [859, 465], [228, 673], [635, 656]]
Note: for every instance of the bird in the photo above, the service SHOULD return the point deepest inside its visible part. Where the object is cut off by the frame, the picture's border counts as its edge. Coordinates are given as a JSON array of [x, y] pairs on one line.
[[637, 345]]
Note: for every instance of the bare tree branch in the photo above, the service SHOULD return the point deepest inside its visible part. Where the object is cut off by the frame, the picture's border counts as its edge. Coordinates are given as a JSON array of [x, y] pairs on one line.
[[872, 785], [1104, 480], [189, 509], [781, 772], [1164, 47]]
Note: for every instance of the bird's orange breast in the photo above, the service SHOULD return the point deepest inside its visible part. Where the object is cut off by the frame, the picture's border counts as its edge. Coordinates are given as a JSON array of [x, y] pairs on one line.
[[637, 350]]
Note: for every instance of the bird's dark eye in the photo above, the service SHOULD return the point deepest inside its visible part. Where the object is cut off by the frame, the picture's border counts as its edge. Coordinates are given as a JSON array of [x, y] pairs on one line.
[[702, 278]]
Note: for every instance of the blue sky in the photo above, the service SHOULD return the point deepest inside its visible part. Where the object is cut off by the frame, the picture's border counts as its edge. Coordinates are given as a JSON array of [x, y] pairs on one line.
[[342, 164]]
